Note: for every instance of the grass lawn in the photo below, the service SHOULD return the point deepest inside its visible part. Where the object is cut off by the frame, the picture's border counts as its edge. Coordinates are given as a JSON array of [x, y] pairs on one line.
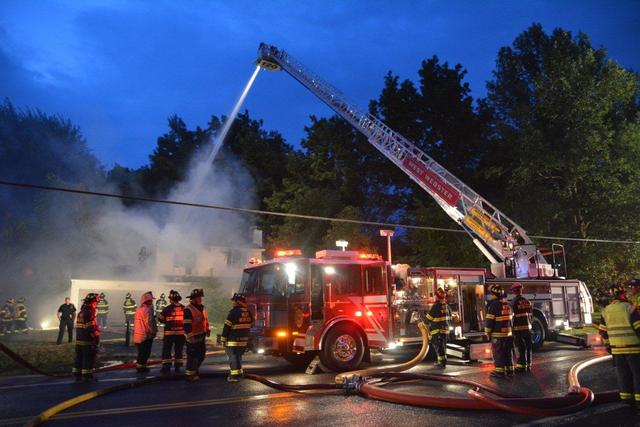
[[38, 348]]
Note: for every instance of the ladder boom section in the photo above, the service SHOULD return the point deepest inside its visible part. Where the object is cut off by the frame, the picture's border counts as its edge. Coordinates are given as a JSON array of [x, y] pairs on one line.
[[472, 212]]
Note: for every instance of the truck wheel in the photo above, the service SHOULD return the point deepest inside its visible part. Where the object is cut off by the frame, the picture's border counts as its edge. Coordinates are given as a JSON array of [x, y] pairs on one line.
[[343, 348], [299, 361], [538, 333]]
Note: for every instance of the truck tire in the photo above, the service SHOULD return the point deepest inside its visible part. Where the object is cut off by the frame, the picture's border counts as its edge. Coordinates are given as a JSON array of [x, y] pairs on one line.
[[343, 348], [538, 332], [299, 361]]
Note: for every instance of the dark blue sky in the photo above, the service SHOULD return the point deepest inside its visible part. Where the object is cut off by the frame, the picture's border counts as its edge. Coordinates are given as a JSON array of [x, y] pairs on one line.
[[119, 69]]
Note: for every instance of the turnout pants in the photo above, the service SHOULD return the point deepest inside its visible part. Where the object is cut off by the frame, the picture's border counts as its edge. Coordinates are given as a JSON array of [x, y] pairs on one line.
[[235, 360], [195, 356], [524, 344], [144, 351], [439, 342], [628, 370], [85, 361], [102, 320], [68, 325], [502, 357], [172, 342]]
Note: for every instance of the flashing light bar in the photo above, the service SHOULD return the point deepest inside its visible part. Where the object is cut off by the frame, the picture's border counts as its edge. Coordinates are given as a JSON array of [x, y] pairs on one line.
[[289, 252], [374, 257]]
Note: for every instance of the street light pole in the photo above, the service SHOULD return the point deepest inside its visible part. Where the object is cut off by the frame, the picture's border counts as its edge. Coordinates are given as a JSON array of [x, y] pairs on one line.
[[388, 234]]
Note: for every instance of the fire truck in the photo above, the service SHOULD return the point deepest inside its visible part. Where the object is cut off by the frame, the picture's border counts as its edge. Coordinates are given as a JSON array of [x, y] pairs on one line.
[[342, 304], [558, 304], [512, 254]]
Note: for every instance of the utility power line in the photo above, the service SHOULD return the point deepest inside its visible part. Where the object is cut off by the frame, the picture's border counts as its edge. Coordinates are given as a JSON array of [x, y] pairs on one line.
[[280, 214]]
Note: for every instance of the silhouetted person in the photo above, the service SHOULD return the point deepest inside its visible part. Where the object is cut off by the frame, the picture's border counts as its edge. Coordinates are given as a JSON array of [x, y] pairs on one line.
[[66, 316]]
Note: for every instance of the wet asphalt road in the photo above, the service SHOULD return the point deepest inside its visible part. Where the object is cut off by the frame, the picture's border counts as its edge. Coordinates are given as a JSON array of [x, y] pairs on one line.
[[214, 402]]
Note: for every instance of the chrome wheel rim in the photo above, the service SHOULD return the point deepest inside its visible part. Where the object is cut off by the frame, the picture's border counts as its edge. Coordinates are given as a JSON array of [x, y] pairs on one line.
[[345, 348]]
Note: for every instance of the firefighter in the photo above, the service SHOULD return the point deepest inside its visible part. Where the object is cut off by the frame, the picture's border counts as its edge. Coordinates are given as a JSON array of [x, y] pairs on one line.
[[620, 330], [173, 318], [439, 319], [66, 315], [235, 335], [144, 331], [196, 329], [87, 339], [522, 312], [5, 320], [498, 327], [634, 298], [20, 322], [129, 308], [103, 311], [161, 303], [10, 306]]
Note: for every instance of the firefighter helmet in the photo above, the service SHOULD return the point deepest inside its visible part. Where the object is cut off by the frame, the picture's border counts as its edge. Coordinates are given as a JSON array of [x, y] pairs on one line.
[[634, 282], [162, 295], [196, 293], [102, 295], [21, 300], [91, 297], [128, 295], [517, 286], [616, 290], [440, 293], [146, 297], [497, 290], [238, 297], [174, 295]]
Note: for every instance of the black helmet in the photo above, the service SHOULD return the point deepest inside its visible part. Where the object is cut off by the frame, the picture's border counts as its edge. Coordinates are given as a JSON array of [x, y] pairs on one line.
[[21, 300], [162, 295], [196, 293], [128, 295], [497, 291], [91, 297], [616, 290], [634, 282], [238, 297], [102, 295], [173, 295]]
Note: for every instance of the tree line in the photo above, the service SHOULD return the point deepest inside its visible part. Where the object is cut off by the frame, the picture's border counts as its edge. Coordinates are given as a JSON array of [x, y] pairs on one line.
[[554, 144]]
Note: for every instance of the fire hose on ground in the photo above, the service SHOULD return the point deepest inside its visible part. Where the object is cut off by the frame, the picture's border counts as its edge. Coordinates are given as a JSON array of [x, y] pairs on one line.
[[370, 383]]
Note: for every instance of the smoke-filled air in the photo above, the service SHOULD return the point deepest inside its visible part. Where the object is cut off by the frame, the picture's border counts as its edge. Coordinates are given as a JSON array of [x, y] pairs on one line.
[[50, 238]]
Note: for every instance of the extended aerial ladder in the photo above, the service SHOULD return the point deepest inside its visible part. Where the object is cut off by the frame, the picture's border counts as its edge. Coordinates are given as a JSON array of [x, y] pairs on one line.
[[498, 237]]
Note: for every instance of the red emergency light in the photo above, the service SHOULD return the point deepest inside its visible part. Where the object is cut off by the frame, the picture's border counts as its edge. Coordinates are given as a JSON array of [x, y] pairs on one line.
[[288, 252]]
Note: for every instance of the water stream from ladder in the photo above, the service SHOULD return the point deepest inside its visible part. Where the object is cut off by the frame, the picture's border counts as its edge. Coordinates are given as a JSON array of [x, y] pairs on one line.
[[203, 168]]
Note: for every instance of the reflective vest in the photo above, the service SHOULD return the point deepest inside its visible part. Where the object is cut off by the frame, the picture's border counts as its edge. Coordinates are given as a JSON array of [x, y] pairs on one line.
[[635, 300], [21, 312], [196, 323], [521, 314], [103, 307], [87, 331], [499, 321], [173, 319], [129, 307], [144, 324], [618, 327], [439, 318]]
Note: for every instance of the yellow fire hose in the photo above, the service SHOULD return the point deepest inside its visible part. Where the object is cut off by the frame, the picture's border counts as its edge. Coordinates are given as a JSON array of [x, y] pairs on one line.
[[345, 376]]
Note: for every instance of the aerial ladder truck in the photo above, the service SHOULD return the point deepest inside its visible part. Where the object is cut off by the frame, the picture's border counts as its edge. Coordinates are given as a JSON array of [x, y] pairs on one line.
[[513, 255]]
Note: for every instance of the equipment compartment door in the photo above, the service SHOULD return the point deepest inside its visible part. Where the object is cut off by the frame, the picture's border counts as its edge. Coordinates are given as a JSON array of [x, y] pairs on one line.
[[472, 288]]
